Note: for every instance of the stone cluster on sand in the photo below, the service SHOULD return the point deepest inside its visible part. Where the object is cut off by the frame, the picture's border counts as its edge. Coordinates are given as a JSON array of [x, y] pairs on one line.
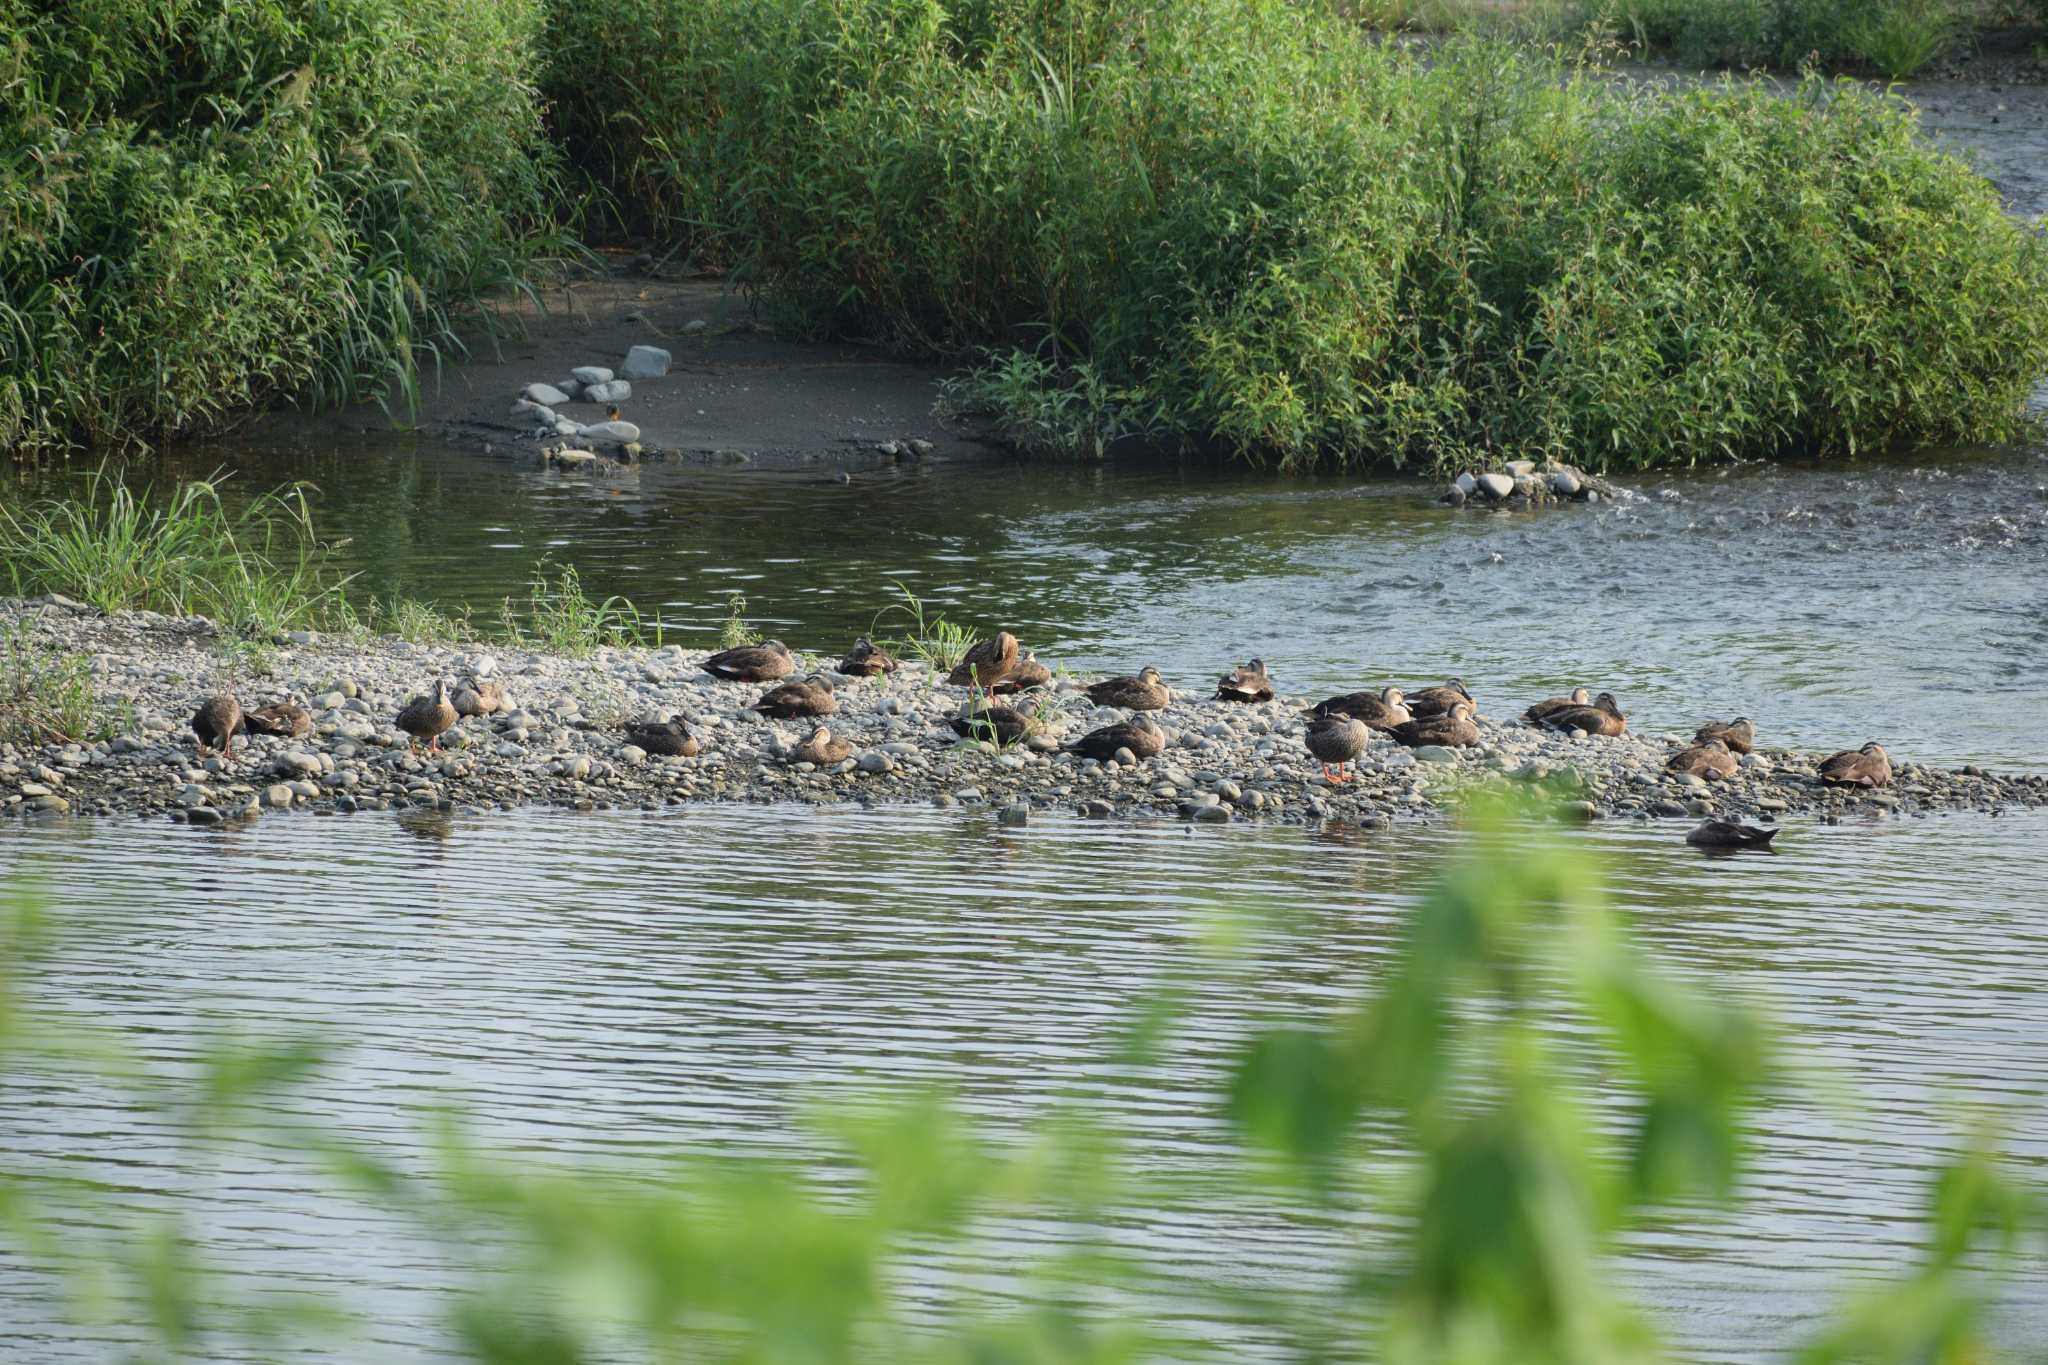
[[559, 740], [594, 384], [1523, 483]]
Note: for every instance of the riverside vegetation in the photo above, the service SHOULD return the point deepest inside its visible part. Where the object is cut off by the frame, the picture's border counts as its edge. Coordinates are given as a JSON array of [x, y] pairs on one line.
[[1246, 225], [1521, 1089]]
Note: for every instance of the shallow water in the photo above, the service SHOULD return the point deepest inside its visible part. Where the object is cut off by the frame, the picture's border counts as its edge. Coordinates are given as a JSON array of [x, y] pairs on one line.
[[615, 988]]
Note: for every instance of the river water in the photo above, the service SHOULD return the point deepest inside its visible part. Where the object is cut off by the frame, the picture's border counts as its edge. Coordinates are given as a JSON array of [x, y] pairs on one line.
[[618, 986]]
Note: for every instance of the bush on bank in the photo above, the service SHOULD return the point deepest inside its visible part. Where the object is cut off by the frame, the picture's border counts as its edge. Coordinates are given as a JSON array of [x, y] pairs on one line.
[[208, 204], [1247, 223]]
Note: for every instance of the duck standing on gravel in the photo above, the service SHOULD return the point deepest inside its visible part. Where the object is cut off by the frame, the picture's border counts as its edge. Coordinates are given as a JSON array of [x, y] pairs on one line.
[[1140, 734], [793, 700], [429, 717], [215, 723], [866, 660], [1432, 702], [1145, 692], [1542, 710], [1708, 759], [1727, 834], [664, 738], [1381, 710], [1246, 684], [1336, 739], [1869, 766], [1455, 729], [1603, 717], [764, 662], [1738, 734], [284, 719], [986, 662]]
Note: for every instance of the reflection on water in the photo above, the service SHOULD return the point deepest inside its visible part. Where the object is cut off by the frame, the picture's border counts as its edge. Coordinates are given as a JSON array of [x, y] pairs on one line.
[[618, 987]]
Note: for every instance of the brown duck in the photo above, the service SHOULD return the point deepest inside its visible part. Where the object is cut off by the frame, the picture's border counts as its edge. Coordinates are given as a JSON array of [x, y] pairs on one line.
[[1247, 684], [986, 663], [822, 748], [811, 697], [1002, 724], [429, 717], [665, 738], [215, 722], [764, 662], [1140, 734], [1145, 692], [1536, 714], [479, 697], [1028, 674], [1454, 729], [1438, 701], [1603, 717], [1708, 759], [1727, 834], [866, 660], [1738, 734], [1336, 738], [284, 719], [1381, 710], [1869, 766]]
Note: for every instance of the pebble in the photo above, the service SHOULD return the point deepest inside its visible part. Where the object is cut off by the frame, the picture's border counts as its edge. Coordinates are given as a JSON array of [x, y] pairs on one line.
[[546, 395], [1015, 814], [646, 362]]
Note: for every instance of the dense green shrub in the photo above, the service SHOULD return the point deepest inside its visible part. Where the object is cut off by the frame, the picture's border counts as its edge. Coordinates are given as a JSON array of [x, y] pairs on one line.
[[1253, 225], [206, 203]]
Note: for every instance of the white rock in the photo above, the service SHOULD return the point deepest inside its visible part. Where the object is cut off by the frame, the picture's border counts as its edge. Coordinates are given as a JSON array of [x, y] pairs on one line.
[[566, 456], [609, 431], [1465, 483], [617, 391], [590, 374], [645, 362], [547, 395], [1564, 483], [1496, 485]]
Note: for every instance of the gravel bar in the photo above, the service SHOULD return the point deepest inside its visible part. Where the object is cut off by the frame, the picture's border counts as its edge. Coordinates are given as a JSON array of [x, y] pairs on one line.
[[558, 742]]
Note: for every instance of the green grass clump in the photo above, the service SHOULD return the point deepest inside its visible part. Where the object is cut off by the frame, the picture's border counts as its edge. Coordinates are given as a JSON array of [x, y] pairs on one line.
[[559, 617], [1252, 224], [208, 205], [906, 629], [48, 697], [258, 570]]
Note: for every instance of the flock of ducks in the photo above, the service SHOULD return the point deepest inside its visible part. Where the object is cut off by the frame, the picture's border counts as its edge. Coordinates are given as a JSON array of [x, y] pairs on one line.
[[1338, 729]]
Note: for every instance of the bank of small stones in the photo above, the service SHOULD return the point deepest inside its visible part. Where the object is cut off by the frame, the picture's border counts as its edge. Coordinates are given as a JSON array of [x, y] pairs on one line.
[[1523, 483], [558, 742]]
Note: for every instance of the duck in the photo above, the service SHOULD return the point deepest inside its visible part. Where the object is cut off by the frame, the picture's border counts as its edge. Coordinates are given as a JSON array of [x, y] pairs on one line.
[[811, 697], [1003, 724], [1728, 834], [479, 697], [1146, 691], [215, 722], [1738, 734], [284, 719], [1603, 717], [1869, 766], [1453, 729], [986, 662], [428, 717], [1438, 701], [1708, 759], [1550, 706], [664, 738], [1140, 734], [1247, 684], [822, 748], [764, 662], [1025, 674], [1381, 710], [866, 660], [1336, 738]]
